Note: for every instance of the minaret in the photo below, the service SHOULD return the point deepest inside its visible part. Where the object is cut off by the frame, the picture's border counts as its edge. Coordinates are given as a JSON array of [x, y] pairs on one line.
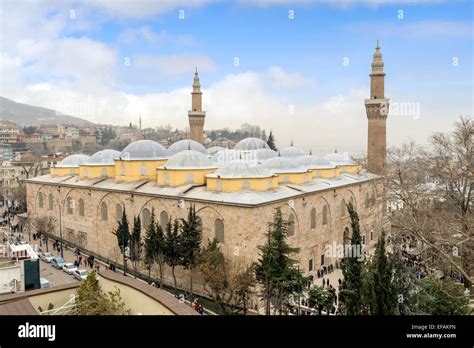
[[377, 111], [196, 115]]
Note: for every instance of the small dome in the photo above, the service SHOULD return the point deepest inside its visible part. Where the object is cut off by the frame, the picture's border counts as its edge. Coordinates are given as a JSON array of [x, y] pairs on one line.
[[241, 169], [283, 165], [339, 159], [73, 161], [189, 159], [214, 149], [265, 153], [104, 158], [144, 150], [225, 156], [292, 151], [314, 162], [184, 144], [250, 144]]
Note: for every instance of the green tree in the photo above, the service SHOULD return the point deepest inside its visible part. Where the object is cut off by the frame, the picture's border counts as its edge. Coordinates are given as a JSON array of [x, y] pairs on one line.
[[123, 236], [190, 242], [352, 285], [91, 300], [173, 247], [155, 247], [385, 300], [271, 142], [276, 269], [404, 283], [136, 244], [320, 298]]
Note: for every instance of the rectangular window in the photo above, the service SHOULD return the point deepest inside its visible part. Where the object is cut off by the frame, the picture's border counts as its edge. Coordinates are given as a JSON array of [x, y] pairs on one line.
[[310, 265], [322, 259]]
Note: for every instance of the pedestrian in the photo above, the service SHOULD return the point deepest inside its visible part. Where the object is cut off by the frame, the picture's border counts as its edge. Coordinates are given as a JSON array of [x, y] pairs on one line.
[[339, 281], [80, 259], [85, 261], [323, 282], [328, 282]]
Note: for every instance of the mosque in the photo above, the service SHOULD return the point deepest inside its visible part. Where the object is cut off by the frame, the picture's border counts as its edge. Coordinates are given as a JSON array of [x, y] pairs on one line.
[[235, 191]]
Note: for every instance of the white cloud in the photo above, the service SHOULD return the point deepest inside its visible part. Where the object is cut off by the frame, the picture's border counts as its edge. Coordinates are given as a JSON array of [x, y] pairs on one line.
[[281, 79], [146, 34], [174, 64]]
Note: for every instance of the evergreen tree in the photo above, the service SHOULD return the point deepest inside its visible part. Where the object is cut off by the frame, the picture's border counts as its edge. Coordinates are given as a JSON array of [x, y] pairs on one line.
[[385, 300], [271, 142], [173, 247], [190, 242], [123, 236], [136, 244], [350, 294], [150, 243], [275, 269], [403, 285]]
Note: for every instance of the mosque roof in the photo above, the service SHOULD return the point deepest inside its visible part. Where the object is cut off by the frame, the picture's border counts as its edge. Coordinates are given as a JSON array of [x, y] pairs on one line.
[[265, 153], [292, 151], [73, 161], [214, 149], [314, 162], [182, 145], [281, 164], [103, 158], [250, 144], [144, 150], [241, 169], [339, 159], [189, 159]]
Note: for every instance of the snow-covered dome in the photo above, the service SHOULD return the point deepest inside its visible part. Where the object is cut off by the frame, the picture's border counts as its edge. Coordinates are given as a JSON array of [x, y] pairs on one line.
[[104, 158], [314, 162], [250, 144], [214, 149], [189, 159], [283, 165], [292, 151], [339, 159], [225, 156], [144, 150], [73, 161], [265, 153], [185, 144], [241, 169]]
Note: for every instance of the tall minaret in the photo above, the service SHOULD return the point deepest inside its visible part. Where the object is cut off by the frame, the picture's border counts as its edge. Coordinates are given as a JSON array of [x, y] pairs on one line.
[[196, 115], [377, 111]]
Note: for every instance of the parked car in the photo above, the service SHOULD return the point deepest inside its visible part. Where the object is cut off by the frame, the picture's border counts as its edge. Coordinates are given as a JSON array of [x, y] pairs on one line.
[[69, 267], [80, 274], [46, 257], [45, 283], [58, 262]]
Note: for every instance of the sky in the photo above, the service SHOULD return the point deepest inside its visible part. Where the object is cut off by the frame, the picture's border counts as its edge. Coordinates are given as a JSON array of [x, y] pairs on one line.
[[298, 68]]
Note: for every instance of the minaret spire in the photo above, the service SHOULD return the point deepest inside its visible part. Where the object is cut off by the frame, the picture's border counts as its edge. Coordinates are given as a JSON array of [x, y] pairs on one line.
[[196, 115]]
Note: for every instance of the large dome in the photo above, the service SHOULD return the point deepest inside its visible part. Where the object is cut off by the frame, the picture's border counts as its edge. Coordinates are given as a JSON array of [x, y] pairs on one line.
[[283, 165], [292, 151], [144, 150], [184, 144], [314, 162], [214, 149], [339, 159], [250, 144], [241, 169], [73, 161], [265, 153], [189, 159], [104, 158]]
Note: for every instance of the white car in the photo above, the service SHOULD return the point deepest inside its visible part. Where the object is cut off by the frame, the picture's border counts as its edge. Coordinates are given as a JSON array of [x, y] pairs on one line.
[[45, 283], [69, 268], [80, 274], [46, 257]]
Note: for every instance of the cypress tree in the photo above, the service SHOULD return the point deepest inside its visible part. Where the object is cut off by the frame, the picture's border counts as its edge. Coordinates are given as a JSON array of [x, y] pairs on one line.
[[122, 232], [190, 242], [136, 242], [150, 243], [271, 142], [385, 301], [173, 247], [352, 285]]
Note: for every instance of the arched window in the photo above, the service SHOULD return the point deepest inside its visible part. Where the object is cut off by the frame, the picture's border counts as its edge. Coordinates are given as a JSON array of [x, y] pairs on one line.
[[146, 218], [343, 208], [40, 200], [352, 202], [286, 179], [218, 185], [219, 230], [122, 169], [291, 224], [81, 207], [269, 184], [50, 201], [70, 203], [103, 172], [367, 200], [103, 211], [189, 178], [164, 220], [143, 170], [118, 212], [313, 218], [246, 185], [166, 179], [86, 172], [325, 215]]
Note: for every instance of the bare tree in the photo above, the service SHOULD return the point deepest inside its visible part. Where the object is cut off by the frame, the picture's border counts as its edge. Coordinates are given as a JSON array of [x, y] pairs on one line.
[[44, 226]]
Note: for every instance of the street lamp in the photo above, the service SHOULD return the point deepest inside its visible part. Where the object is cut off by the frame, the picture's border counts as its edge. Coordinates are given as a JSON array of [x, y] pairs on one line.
[[60, 223]]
